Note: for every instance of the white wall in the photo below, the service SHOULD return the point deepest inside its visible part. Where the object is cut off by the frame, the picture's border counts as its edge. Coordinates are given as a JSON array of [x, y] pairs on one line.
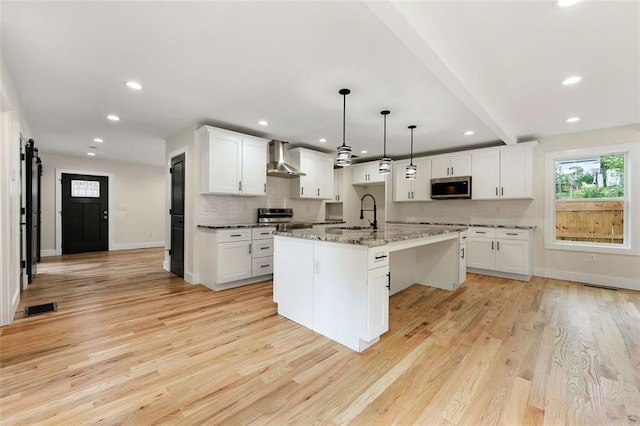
[[13, 123], [610, 269], [138, 200]]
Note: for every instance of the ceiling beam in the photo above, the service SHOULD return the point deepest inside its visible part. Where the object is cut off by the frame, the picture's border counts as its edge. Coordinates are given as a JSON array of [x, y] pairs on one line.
[[393, 18]]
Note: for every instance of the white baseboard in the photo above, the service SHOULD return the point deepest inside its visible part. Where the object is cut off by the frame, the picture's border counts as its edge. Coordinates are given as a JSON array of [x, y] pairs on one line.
[[191, 278], [166, 266], [48, 253], [603, 280], [132, 246]]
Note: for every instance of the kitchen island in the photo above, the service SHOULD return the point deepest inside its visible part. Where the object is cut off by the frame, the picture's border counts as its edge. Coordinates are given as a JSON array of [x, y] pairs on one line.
[[337, 281]]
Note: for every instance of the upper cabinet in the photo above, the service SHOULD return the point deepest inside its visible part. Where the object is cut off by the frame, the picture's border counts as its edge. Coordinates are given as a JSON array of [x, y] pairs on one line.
[[366, 174], [503, 173], [232, 163], [337, 185], [412, 190], [451, 165], [318, 166]]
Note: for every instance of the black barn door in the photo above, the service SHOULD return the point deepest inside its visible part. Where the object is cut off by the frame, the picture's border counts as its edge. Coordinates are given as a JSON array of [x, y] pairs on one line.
[[33, 169], [177, 215], [85, 213]]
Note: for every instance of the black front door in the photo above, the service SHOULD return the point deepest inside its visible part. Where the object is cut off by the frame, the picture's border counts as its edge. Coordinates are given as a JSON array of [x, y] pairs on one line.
[[177, 215], [85, 213]]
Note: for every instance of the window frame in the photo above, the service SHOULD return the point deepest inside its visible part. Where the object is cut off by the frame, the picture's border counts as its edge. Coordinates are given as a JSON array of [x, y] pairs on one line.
[[630, 245]]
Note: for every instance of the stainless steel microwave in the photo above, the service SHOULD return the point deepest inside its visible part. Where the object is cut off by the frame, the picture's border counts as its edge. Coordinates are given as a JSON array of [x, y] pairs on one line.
[[457, 187]]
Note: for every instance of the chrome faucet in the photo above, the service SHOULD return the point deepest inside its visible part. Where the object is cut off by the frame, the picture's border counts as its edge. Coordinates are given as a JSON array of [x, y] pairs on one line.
[[373, 224]]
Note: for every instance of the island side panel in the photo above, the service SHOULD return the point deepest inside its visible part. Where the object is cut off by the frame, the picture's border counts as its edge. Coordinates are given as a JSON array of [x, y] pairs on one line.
[[340, 292], [437, 265], [293, 279]]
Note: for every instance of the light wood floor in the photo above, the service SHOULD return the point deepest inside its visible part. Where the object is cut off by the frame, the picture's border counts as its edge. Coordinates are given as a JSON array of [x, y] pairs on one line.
[[132, 344]]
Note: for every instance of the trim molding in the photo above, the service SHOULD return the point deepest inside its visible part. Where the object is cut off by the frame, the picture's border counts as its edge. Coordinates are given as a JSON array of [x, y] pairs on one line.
[[191, 278], [133, 246], [603, 280], [48, 253]]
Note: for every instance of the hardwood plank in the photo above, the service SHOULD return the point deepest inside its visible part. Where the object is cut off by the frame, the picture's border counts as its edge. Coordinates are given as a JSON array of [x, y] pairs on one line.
[[133, 344]]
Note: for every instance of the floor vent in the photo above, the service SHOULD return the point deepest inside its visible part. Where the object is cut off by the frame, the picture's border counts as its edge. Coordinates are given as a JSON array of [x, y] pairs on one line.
[[601, 286], [40, 309]]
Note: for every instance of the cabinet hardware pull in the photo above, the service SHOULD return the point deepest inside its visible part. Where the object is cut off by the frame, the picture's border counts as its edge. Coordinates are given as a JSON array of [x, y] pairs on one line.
[[236, 235], [491, 245], [497, 245], [463, 252], [240, 186], [512, 233], [382, 256], [502, 190], [265, 233], [496, 191], [302, 190], [265, 187], [451, 171], [249, 248], [412, 196], [318, 191], [481, 232], [265, 248], [265, 266], [409, 194], [389, 281]]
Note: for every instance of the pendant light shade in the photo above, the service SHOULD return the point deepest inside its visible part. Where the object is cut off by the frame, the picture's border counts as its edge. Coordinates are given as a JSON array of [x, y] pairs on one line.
[[412, 170], [343, 154], [384, 166]]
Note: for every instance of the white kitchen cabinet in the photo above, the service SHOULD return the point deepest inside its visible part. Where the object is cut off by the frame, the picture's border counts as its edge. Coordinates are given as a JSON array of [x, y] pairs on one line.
[[318, 166], [451, 165], [337, 186], [293, 281], [365, 174], [378, 285], [412, 190], [499, 251], [236, 256], [232, 163], [502, 173], [462, 262]]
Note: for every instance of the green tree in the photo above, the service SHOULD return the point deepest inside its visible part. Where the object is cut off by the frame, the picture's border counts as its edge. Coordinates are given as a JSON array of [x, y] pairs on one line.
[[611, 162]]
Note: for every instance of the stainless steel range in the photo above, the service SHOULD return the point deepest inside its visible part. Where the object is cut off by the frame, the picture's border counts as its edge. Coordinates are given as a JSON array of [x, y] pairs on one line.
[[282, 218]]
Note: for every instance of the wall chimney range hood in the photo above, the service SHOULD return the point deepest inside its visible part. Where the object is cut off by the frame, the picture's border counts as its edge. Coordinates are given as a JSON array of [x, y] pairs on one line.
[[277, 167]]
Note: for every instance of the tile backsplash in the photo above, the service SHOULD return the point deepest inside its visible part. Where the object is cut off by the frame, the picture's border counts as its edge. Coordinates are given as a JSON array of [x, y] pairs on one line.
[[223, 209]]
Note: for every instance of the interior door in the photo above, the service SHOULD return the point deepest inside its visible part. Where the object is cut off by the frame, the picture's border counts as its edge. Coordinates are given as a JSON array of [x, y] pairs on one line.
[[177, 214], [85, 213], [32, 209]]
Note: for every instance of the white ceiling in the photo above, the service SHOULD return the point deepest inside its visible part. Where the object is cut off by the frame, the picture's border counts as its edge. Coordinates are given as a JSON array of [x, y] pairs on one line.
[[447, 67]]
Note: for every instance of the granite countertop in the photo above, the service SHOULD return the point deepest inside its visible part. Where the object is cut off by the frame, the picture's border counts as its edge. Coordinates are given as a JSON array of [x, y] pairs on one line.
[[466, 225], [235, 225], [367, 236]]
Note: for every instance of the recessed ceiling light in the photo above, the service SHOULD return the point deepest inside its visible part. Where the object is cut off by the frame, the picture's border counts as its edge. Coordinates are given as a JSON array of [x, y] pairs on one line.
[[113, 117], [567, 3], [469, 133], [322, 140], [573, 119], [134, 85], [364, 151], [571, 80], [263, 122], [98, 140], [91, 154]]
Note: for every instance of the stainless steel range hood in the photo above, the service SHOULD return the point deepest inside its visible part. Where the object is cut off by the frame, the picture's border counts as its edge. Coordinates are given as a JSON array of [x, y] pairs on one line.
[[277, 166]]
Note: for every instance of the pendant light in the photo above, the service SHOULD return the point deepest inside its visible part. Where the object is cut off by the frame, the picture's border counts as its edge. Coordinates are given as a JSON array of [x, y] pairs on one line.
[[384, 166], [343, 155], [412, 169]]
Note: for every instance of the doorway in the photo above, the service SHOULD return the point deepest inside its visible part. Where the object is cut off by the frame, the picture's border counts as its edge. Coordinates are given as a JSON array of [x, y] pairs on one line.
[[176, 212], [85, 213]]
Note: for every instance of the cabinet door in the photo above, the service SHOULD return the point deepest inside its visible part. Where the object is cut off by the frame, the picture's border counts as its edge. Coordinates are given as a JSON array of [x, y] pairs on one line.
[[377, 303], [440, 167], [460, 165], [324, 177], [337, 184], [359, 174], [512, 256], [254, 166], [374, 175], [308, 182], [462, 263], [421, 190], [485, 176], [401, 187], [224, 160], [516, 173], [481, 253], [234, 261]]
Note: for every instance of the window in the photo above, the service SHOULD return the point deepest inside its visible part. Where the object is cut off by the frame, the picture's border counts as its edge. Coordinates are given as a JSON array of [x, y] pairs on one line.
[[85, 188], [588, 199]]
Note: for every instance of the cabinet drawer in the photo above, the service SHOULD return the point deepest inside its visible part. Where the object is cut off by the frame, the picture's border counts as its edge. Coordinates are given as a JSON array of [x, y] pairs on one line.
[[481, 232], [262, 248], [378, 256], [262, 233], [262, 266], [240, 234], [513, 234]]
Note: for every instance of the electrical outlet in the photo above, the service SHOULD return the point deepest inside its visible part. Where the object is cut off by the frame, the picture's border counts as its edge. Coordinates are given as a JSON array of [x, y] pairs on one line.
[[591, 258]]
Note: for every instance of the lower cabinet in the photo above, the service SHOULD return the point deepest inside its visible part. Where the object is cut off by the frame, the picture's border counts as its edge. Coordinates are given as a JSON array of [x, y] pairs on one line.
[[462, 261], [234, 257], [500, 251], [378, 286]]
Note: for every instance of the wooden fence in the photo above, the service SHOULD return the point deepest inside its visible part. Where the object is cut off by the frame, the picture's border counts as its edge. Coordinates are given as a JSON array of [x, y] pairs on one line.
[[587, 220]]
